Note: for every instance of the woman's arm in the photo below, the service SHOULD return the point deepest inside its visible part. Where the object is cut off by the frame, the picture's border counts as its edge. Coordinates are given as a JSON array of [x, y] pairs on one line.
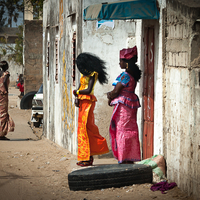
[[89, 88], [85, 91], [115, 92], [6, 82]]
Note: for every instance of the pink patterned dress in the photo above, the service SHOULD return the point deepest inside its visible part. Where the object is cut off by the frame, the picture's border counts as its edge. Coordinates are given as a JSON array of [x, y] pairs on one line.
[[123, 126], [6, 122]]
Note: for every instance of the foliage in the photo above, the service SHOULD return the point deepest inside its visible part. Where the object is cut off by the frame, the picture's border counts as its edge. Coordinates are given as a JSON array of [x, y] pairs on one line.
[[2, 18], [13, 7], [14, 52]]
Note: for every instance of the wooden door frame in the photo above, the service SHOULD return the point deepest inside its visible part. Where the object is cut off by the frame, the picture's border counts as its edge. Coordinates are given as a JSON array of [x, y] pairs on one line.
[[147, 141]]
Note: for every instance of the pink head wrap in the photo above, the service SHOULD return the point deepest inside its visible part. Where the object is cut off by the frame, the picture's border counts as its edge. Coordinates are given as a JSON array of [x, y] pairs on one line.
[[128, 53]]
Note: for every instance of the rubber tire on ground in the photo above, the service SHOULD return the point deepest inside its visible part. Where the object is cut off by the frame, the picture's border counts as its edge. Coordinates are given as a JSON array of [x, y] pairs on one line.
[[107, 176], [26, 101]]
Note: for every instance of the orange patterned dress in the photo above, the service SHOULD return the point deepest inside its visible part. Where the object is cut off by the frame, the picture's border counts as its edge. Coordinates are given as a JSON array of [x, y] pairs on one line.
[[90, 142], [6, 122]]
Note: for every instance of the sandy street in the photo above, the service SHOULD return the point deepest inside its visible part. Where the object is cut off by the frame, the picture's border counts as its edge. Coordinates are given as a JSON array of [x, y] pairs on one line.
[[37, 169]]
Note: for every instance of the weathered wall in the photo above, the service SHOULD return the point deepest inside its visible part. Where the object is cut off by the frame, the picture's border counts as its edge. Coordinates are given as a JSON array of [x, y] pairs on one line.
[[182, 95], [33, 76], [60, 21]]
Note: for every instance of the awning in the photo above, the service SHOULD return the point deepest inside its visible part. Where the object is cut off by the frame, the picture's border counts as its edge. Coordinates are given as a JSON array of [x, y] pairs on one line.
[[122, 10]]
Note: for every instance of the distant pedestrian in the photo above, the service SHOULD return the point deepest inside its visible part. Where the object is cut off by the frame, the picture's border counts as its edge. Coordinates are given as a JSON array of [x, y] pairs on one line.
[[90, 142], [6, 122], [123, 127], [20, 85]]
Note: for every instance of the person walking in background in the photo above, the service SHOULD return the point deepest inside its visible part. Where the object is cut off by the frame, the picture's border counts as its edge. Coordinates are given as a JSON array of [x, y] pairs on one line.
[[6, 122], [20, 85], [123, 126], [90, 142]]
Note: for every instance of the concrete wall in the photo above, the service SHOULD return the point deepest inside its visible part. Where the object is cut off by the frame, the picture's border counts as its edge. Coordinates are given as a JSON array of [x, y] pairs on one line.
[[33, 76], [60, 21], [181, 96]]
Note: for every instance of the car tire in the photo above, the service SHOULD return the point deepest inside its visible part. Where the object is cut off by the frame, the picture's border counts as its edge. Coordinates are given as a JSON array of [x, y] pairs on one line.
[[26, 101], [107, 176]]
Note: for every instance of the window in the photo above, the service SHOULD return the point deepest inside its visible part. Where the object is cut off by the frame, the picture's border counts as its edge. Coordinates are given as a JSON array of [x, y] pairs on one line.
[[47, 59], [74, 59], [56, 59]]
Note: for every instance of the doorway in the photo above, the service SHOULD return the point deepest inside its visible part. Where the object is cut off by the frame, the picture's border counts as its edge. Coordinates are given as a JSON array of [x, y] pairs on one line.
[[148, 93]]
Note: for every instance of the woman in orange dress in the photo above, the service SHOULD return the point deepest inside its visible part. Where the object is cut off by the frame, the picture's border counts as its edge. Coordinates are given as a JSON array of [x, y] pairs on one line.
[[6, 122], [90, 142]]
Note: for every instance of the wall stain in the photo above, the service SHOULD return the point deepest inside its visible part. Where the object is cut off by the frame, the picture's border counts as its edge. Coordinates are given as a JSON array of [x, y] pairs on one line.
[[61, 18], [68, 108]]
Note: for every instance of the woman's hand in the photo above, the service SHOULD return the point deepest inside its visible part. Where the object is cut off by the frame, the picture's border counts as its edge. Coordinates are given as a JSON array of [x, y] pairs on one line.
[[74, 93], [76, 102], [109, 95], [109, 101], [115, 92]]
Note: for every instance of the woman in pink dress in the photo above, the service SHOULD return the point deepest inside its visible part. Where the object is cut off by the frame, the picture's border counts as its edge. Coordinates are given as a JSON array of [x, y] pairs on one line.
[[6, 122], [123, 127]]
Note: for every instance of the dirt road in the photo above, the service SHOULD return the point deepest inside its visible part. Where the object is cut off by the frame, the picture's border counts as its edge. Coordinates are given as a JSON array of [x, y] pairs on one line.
[[34, 169]]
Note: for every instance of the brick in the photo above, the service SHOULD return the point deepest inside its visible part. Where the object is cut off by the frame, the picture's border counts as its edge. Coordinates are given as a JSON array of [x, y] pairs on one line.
[[185, 31], [174, 59], [170, 56], [177, 60]]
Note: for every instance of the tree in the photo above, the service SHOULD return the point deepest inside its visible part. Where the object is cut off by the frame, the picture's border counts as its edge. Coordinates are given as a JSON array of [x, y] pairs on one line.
[[13, 7], [14, 52], [2, 18]]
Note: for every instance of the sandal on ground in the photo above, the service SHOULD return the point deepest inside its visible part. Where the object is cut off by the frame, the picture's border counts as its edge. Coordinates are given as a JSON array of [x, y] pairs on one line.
[[85, 163], [4, 138]]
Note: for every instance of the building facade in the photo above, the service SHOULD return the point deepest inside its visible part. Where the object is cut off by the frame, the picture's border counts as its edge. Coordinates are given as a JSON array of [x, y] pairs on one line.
[[32, 50], [168, 55]]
